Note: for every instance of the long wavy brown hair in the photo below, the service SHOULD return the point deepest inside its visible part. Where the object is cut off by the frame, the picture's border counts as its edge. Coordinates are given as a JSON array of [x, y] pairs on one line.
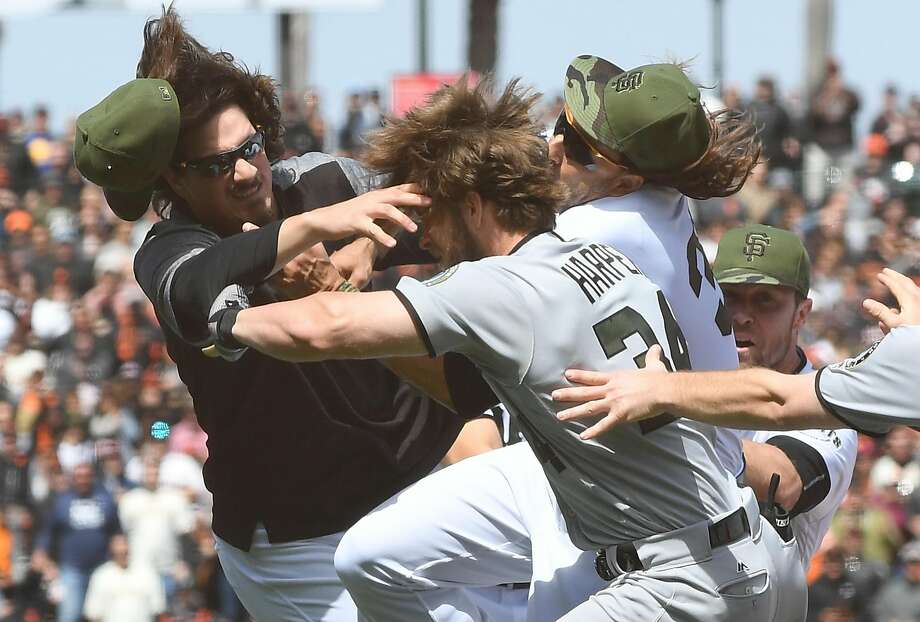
[[205, 83], [733, 152], [467, 140]]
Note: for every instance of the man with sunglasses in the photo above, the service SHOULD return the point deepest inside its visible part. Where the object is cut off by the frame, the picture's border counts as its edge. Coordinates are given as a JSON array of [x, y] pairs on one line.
[[297, 452]]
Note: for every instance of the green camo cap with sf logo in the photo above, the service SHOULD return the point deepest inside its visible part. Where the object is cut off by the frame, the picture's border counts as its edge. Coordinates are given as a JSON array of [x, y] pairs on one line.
[[651, 114], [126, 141], [762, 255]]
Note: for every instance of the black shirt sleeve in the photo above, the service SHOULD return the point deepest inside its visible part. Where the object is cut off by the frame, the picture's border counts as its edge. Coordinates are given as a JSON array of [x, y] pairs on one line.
[[184, 268], [407, 252], [470, 394]]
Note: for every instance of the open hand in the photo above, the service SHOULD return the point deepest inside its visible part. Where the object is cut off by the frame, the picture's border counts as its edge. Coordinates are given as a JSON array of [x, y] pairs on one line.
[[618, 397], [356, 216], [905, 292]]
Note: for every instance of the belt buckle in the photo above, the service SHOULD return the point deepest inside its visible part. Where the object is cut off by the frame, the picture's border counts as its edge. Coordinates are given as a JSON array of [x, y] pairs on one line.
[[603, 569]]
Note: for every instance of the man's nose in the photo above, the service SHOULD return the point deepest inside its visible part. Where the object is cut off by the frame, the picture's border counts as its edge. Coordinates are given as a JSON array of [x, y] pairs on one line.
[[243, 170]]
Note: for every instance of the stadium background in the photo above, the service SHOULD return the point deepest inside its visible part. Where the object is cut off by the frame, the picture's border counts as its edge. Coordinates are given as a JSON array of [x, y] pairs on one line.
[[83, 373]]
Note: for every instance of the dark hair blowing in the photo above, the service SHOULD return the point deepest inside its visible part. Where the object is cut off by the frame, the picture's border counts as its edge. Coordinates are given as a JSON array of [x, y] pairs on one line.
[[734, 150], [466, 140], [205, 83]]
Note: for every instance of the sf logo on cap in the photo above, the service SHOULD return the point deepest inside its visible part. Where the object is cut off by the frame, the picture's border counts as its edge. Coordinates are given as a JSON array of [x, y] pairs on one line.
[[755, 244], [629, 82]]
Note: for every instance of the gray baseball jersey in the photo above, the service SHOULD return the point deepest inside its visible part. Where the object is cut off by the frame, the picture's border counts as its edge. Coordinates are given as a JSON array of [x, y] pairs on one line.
[[654, 227], [877, 389], [553, 304]]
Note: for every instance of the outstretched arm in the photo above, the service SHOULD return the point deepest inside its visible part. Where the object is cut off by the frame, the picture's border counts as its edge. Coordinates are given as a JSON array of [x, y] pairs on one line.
[[757, 399], [330, 325]]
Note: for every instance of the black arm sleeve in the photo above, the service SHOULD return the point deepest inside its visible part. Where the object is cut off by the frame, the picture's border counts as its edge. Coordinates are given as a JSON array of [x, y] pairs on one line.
[[810, 465], [184, 269], [468, 391], [406, 253]]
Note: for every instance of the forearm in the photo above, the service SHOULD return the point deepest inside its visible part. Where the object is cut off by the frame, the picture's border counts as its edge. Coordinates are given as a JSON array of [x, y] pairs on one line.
[[451, 379], [294, 237], [296, 330], [330, 326], [761, 462], [424, 373], [477, 437], [754, 399]]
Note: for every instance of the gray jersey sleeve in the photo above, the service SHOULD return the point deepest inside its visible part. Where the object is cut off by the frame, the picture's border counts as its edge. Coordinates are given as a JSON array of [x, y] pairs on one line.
[[477, 310], [286, 172], [879, 388]]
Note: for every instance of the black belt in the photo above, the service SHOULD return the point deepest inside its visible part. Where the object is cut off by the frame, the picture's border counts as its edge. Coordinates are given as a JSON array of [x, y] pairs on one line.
[[731, 528]]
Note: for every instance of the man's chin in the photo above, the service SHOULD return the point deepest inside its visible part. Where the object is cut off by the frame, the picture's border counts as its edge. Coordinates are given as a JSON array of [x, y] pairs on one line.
[[259, 211], [745, 360]]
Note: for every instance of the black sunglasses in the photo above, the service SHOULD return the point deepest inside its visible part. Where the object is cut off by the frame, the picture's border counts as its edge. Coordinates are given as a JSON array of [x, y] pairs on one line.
[[222, 163], [575, 148]]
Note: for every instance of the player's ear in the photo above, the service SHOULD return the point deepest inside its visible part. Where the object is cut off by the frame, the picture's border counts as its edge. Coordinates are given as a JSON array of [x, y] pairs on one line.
[[474, 209], [626, 183], [176, 181], [801, 312], [556, 150]]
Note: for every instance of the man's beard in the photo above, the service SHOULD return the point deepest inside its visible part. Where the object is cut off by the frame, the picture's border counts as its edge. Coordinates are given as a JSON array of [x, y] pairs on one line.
[[576, 193], [758, 358], [462, 247]]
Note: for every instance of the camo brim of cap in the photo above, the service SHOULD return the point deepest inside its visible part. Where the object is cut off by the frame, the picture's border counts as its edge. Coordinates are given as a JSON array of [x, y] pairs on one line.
[[585, 80], [741, 276]]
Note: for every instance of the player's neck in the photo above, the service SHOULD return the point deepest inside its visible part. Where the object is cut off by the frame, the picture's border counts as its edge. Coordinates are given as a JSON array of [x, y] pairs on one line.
[[791, 363], [504, 242], [493, 239]]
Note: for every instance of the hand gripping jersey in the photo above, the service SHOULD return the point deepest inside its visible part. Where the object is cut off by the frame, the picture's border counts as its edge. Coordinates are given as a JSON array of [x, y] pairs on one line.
[[553, 304]]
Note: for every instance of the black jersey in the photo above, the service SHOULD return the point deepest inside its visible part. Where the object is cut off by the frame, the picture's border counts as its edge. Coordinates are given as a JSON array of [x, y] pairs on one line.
[[305, 449]]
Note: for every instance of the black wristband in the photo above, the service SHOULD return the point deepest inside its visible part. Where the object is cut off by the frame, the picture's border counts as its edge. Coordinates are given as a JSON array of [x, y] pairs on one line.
[[221, 324], [812, 470]]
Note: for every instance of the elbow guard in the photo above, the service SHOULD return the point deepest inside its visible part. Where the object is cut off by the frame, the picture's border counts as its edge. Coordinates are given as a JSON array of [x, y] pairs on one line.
[[812, 470]]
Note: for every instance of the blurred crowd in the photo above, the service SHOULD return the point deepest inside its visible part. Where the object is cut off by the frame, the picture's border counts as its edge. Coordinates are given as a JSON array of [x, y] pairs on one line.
[[103, 509]]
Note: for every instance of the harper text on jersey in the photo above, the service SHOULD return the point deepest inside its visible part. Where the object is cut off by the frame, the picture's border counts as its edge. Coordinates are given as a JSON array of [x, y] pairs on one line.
[[596, 268]]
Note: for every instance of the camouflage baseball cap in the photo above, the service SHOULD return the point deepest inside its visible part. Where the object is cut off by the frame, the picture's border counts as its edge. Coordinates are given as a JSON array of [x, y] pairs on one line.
[[124, 142], [651, 114], [762, 255]]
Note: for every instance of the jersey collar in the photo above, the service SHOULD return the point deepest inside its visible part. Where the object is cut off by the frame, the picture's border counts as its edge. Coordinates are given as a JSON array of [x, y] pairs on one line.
[[527, 238]]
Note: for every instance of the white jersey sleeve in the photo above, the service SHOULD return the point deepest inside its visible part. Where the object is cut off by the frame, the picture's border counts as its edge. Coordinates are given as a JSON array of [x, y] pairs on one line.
[[467, 309], [877, 389], [836, 450]]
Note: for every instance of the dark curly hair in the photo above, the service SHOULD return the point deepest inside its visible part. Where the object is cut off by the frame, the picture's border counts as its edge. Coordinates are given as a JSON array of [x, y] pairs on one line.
[[733, 152], [465, 140], [205, 83]]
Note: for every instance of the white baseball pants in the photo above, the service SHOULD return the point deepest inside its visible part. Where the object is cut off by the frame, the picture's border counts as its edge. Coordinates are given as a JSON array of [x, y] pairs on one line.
[[486, 520], [494, 519], [288, 582]]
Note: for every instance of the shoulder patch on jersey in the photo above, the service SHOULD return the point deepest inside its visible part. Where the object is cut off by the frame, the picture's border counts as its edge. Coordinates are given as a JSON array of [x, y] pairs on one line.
[[852, 362], [441, 276]]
